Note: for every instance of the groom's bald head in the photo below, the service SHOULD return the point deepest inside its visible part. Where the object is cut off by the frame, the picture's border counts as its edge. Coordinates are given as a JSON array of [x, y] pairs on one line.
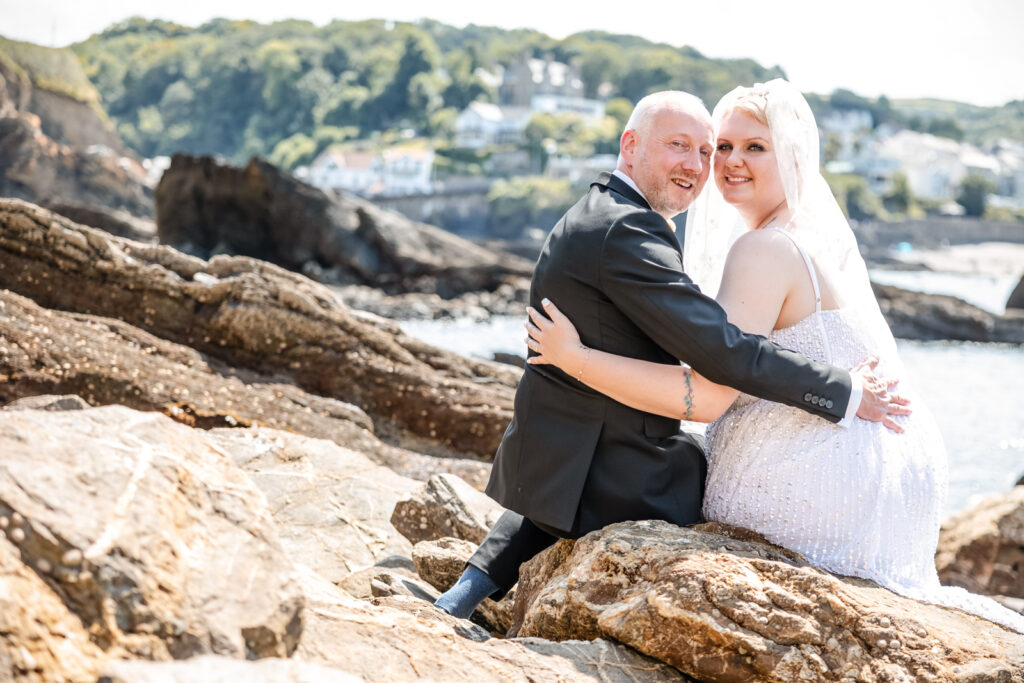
[[666, 149], [676, 100]]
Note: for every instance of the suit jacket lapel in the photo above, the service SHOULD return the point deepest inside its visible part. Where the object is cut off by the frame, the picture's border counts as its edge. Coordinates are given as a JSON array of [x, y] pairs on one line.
[[616, 185]]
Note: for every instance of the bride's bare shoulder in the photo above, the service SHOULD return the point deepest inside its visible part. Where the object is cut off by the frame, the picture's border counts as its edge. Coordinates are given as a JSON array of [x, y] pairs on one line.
[[766, 251]]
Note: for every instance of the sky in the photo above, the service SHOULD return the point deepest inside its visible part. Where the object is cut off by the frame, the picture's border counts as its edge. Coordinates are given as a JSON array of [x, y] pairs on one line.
[[964, 50]]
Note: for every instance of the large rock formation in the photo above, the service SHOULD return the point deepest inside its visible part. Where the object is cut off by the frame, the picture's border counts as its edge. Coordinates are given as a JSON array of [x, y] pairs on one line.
[[155, 541], [722, 606], [55, 145], [331, 504], [406, 640], [112, 362], [125, 536], [261, 212], [257, 317], [982, 548], [914, 315]]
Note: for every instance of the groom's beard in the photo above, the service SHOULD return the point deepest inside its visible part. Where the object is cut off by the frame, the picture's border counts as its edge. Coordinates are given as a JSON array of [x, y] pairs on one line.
[[664, 194]]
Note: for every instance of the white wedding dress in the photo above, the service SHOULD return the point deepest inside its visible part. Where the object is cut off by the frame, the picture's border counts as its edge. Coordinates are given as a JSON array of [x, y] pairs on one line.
[[859, 501]]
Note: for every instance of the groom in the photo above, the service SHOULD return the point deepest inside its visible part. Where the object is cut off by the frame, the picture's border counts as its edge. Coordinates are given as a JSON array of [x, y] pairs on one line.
[[574, 460]]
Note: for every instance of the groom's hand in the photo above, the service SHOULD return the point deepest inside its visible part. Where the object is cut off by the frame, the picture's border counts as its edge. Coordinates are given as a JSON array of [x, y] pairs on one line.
[[878, 403]]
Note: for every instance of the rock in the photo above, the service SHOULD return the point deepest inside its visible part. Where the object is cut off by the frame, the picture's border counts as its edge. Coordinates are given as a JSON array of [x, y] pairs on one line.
[[330, 503], [389, 584], [446, 506], [358, 584], [41, 170], [509, 359], [982, 548], [440, 563], [111, 362], [258, 318], [719, 608], [57, 144], [508, 299], [150, 535], [40, 639], [914, 315], [260, 211], [217, 669], [1016, 299], [47, 402], [405, 639], [120, 223]]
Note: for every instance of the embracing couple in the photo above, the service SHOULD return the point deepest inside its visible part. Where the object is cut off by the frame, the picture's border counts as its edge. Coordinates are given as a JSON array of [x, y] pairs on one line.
[[814, 456]]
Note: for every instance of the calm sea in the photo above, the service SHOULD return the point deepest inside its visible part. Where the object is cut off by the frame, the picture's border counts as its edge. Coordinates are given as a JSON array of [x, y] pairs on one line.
[[976, 391]]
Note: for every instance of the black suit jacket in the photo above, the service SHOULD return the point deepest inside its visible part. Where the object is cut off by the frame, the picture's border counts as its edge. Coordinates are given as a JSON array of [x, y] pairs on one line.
[[575, 460]]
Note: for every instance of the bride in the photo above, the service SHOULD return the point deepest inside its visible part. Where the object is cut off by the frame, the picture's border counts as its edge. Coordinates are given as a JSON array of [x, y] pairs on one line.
[[863, 501]]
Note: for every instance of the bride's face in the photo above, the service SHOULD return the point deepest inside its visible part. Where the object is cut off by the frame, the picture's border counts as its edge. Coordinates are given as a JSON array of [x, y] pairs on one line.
[[746, 171]]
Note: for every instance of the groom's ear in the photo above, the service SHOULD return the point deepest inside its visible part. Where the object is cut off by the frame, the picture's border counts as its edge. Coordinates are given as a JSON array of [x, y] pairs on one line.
[[627, 145]]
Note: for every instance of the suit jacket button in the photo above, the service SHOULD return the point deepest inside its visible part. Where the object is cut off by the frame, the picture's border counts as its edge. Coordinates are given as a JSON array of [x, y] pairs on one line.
[[828, 404], [814, 400], [807, 397]]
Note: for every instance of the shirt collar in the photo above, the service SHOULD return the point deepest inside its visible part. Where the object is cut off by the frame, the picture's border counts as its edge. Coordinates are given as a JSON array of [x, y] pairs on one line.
[[629, 181]]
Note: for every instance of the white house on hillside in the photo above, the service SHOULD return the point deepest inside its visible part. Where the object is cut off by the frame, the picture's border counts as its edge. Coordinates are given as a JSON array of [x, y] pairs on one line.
[[407, 171], [397, 171], [355, 172], [482, 124]]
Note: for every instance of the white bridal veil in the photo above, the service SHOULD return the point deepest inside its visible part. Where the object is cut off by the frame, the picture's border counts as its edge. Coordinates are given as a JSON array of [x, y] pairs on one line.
[[817, 222]]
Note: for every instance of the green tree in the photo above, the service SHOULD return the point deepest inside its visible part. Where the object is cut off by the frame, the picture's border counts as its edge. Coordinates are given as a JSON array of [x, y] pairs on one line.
[[899, 198], [973, 194], [518, 204]]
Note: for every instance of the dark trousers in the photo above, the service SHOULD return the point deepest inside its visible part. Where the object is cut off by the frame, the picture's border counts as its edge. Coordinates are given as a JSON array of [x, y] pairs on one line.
[[511, 542]]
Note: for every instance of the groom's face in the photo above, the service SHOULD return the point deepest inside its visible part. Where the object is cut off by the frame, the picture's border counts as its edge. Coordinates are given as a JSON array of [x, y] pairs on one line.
[[670, 158]]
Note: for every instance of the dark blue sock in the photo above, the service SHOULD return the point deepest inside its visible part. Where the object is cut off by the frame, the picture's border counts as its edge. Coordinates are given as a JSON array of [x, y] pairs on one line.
[[469, 591]]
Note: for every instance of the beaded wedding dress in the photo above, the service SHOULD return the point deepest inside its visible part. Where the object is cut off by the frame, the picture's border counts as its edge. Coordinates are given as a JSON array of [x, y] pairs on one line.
[[859, 501]]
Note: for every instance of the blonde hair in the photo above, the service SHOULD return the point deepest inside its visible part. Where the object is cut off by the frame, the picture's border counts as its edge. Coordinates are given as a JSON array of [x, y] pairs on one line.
[[750, 101]]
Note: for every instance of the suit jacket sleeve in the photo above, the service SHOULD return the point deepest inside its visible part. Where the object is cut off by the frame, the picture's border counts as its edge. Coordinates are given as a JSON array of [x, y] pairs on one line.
[[641, 272]]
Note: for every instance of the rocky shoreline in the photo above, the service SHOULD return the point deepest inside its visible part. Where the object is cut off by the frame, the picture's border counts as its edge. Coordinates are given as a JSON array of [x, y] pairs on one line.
[[245, 477]]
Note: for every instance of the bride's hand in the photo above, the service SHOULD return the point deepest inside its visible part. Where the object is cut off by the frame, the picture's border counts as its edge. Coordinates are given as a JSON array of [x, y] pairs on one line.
[[554, 340]]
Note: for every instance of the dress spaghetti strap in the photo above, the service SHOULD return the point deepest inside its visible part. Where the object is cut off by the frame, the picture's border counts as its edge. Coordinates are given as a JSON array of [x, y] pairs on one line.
[[810, 267]]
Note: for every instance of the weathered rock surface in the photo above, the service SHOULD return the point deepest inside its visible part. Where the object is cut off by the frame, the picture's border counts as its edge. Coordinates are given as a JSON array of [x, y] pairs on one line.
[[446, 506], [114, 221], [724, 609], [46, 401], [387, 583], [406, 639], [257, 317], [154, 540], [40, 640], [218, 669], [54, 147], [111, 362], [914, 315], [262, 212], [331, 504], [507, 299], [441, 562], [982, 548], [1016, 298]]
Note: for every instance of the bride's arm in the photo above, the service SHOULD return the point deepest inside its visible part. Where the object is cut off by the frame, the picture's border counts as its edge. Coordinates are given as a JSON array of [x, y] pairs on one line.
[[755, 283], [670, 390]]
